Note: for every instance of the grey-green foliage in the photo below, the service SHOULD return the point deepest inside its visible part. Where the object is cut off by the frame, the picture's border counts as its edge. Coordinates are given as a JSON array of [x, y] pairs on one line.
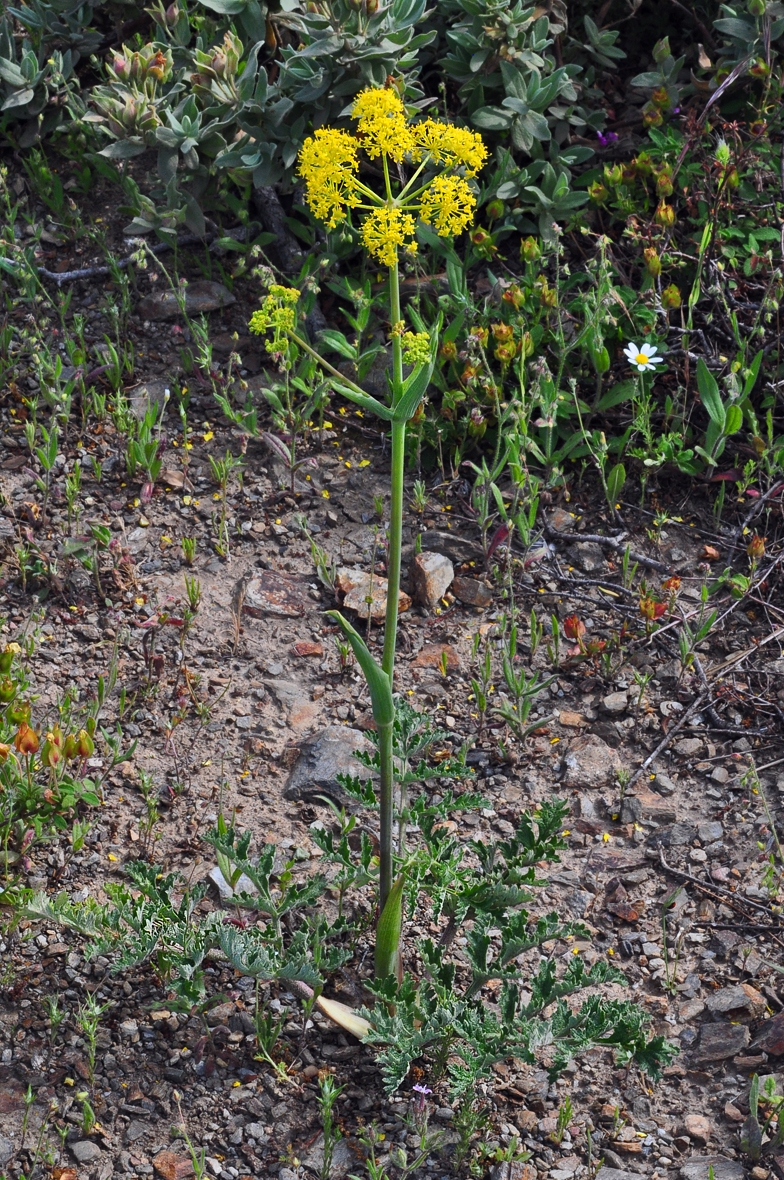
[[156, 918], [215, 108], [62, 24], [29, 78], [511, 87], [446, 1018], [509, 83], [746, 35]]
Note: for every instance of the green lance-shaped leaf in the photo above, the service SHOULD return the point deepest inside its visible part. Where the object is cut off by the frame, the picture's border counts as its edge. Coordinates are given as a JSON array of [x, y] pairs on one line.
[[709, 394], [388, 932], [377, 679], [615, 481]]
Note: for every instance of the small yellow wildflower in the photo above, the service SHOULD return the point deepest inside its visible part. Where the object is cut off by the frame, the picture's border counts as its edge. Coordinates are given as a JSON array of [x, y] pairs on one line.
[[417, 348], [448, 205], [384, 231]]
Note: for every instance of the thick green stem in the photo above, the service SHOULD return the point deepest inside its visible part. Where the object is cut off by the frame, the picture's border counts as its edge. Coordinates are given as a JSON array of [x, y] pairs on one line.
[[395, 544], [387, 786], [386, 808]]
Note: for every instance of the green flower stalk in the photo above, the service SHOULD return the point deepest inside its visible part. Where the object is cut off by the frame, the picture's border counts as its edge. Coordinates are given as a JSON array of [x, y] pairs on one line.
[[443, 159]]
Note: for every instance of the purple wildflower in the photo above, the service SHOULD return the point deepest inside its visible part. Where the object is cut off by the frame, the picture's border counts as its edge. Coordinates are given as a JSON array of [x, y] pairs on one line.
[[419, 1102], [605, 139]]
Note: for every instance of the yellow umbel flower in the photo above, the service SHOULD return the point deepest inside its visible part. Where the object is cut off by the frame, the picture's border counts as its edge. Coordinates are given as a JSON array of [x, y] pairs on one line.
[[448, 205], [276, 312], [328, 163], [445, 144], [385, 230], [417, 348], [382, 123]]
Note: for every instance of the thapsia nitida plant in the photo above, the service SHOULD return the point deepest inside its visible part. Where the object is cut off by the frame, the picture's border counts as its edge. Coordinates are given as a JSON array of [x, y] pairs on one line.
[[441, 160]]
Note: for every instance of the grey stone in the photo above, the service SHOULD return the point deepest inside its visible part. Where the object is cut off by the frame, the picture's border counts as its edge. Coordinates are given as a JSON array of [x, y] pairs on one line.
[[456, 548], [615, 1173], [146, 395], [326, 755], [720, 775], [737, 1002], [200, 297], [444, 1113], [290, 695], [710, 831], [589, 763], [85, 1151], [227, 894], [343, 1158], [136, 1129], [664, 785], [589, 556], [615, 702], [6, 1150], [631, 810], [578, 902], [721, 1040], [689, 746], [699, 1168], [678, 834]]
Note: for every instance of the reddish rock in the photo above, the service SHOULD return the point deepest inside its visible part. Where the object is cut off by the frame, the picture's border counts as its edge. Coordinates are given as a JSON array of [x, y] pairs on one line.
[[697, 1127], [308, 648], [770, 1038], [571, 720], [431, 655], [356, 587], [472, 592], [172, 1167], [590, 763]]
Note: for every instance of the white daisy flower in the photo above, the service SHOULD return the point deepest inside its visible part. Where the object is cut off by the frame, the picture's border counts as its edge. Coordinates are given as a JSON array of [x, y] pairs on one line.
[[643, 357]]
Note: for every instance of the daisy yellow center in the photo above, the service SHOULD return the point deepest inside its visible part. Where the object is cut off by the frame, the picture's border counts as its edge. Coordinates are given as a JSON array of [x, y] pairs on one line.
[[642, 359]]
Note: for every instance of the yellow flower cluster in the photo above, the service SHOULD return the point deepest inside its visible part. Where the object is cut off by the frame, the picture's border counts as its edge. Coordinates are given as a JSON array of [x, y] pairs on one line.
[[416, 348], [386, 230], [329, 165], [276, 312], [382, 123], [448, 205], [328, 162], [446, 144]]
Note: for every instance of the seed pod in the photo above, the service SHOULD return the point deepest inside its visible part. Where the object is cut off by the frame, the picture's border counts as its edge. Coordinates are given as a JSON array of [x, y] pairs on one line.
[[652, 261], [26, 740], [531, 250], [84, 744], [671, 297], [664, 215]]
